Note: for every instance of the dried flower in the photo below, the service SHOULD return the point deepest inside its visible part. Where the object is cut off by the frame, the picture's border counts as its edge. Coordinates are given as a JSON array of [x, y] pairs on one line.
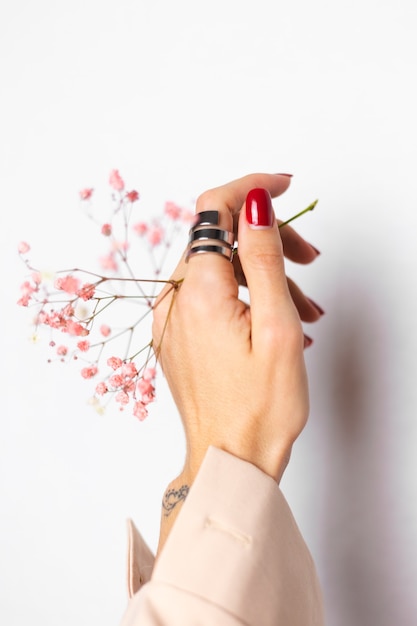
[[85, 194], [70, 302], [116, 181]]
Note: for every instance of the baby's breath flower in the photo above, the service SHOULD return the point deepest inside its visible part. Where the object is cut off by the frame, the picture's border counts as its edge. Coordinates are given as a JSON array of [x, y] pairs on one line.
[[76, 304]]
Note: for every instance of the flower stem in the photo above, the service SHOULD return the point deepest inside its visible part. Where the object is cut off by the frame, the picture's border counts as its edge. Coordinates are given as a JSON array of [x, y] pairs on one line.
[[294, 217]]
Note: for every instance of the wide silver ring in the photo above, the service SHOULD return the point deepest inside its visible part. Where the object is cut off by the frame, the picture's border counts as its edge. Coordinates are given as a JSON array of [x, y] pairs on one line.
[[206, 218], [226, 251], [212, 233]]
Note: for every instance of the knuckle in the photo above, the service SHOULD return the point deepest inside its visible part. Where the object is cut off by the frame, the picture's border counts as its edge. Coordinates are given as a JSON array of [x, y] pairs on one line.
[[277, 333], [265, 259], [207, 200]]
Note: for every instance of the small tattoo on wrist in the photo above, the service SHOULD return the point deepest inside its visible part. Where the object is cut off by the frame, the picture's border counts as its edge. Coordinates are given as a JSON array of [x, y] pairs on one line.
[[173, 497]]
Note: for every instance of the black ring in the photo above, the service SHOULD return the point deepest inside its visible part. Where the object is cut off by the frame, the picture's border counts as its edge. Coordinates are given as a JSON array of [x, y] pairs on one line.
[[207, 218], [224, 251], [212, 233]]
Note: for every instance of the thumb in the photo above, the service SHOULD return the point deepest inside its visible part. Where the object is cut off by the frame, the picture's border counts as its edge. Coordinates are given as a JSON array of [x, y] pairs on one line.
[[262, 258]]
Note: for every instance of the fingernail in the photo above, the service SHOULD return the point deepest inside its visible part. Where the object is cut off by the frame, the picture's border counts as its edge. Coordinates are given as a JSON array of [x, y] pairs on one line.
[[307, 341], [315, 249], [259, 211], [288, 175], [316, 306]]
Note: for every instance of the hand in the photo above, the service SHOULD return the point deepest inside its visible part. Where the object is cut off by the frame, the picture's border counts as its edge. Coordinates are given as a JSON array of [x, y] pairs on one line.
[[237, 373]]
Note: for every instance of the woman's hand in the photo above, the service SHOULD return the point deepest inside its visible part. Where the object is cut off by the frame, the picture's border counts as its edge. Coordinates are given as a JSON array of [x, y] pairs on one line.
[[236, 372]]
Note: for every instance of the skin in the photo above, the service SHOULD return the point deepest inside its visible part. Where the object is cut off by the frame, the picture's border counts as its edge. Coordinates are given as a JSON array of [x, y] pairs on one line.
[[236, 372]]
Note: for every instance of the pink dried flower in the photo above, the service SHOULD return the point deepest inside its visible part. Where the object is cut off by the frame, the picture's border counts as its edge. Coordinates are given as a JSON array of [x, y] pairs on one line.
[[144, 386], [129, 385], [70, 284], [120, 246], [114, 362], [105, 330], [116, 181], [148, 397], [55, 319], [108, 262], [86, 292], [140, 411], [149, 373], [155, 235], [116, 381], [128, 381], [23, 247], [172, 210], [42, 317], [129, 370], [85, 194], [76, 329], [146, 390], [23, 300], [89, 372], [27, 290], [101, 389], [68, 310], [140, 228], [187, 216], [106, 230], [132, 196], [122, 397]]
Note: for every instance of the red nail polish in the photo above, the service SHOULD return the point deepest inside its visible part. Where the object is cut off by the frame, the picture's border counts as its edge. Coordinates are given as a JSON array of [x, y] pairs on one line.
[[316, 306], [259, 211], [307, 341], [315, 250], [287, 175]]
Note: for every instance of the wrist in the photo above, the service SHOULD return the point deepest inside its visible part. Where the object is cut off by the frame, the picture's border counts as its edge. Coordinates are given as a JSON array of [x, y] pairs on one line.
[[270, 459], [172, 502]]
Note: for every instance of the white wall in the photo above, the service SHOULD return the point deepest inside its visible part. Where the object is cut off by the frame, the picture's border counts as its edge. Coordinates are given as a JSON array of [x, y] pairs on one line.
[[181, 96]]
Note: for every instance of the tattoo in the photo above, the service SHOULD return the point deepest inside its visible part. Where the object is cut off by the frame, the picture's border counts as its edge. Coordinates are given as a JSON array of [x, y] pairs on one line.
[[173, 497]]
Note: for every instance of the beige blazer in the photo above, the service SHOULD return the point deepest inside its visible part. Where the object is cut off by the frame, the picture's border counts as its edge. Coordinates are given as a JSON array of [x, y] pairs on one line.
[[234, 556]]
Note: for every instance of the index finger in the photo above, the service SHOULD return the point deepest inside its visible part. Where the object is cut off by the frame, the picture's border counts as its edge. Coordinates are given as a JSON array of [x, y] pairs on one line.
[[211, 269], [210, 273]]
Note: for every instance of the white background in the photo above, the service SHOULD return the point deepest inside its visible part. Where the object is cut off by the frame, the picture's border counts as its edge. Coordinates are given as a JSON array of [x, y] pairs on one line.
[[182, 96]]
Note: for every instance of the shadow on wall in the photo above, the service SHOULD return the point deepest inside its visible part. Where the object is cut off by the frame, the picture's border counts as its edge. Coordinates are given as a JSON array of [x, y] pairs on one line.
[[364, 557]]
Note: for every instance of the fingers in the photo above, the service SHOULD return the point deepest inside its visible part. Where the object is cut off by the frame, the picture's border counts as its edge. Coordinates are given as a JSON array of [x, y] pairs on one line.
[[262, 258], [307, 309], [209, 271], [295, 247], [233, 194]]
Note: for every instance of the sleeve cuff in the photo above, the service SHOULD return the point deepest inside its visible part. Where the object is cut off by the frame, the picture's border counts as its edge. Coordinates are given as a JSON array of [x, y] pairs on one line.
[[236, 545]]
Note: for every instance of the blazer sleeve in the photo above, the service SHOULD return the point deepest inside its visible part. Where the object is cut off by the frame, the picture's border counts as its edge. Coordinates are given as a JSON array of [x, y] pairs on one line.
[[234, 556]]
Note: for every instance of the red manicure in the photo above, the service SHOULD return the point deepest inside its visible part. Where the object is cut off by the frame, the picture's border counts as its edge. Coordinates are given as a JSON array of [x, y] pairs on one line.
[[259, 211], [316, 306], [287, 175], [307, 341]]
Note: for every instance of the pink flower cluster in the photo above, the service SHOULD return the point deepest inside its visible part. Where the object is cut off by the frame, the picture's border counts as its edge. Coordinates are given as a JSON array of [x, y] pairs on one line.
[[72, 285], [127, 384], [29, 287], [64, 321], [71, 302]]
